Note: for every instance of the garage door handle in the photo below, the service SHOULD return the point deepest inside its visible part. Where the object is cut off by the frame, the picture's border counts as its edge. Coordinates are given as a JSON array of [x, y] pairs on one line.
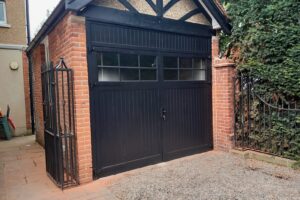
[[163, 114]]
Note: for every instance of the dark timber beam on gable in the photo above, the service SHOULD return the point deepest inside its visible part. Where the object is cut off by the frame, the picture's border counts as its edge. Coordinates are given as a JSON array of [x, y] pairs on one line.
[[203, 11], [160, 7], [76, 5], [153, 6], [128, 6], [218, 15], [190, 14], [169, 5]]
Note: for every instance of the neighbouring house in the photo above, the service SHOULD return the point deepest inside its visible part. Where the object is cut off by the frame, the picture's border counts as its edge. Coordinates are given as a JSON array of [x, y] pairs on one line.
[[147, 86], [14, 82]]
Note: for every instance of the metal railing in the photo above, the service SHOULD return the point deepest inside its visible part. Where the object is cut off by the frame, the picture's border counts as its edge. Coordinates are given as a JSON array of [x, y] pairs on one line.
[[265, 121]]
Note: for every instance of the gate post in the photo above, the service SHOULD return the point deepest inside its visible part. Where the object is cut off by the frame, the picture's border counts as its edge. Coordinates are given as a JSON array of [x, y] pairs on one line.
[[223, 107]]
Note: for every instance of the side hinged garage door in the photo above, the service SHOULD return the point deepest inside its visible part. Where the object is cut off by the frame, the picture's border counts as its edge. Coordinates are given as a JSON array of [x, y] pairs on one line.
[[150, 96]]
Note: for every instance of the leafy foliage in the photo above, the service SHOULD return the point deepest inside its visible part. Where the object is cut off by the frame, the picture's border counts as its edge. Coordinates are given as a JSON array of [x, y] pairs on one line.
[[265, 44], [265, 41]]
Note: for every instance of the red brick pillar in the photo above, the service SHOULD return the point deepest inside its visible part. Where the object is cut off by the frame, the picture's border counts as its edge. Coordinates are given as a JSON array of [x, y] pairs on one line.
[[38, 60], [78, 61], [68, 40], [223, 71]]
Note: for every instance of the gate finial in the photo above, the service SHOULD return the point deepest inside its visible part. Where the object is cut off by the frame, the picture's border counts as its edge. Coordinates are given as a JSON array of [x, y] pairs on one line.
[[62, 64]]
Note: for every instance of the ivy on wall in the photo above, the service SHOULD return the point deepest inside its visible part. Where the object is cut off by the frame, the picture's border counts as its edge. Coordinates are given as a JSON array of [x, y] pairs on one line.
[[265, 41]]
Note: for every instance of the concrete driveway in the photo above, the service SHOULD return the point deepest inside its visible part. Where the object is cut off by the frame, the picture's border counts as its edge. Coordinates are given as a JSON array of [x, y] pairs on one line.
[[212, 175]]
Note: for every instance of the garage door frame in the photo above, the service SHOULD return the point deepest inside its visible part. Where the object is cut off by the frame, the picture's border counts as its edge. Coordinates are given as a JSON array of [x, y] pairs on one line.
[[173, 27]]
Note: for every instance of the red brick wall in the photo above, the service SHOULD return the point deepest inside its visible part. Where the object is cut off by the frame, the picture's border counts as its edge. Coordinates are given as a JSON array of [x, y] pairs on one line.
[[68, 40], [38, 59], [223, 113], [26, 90]]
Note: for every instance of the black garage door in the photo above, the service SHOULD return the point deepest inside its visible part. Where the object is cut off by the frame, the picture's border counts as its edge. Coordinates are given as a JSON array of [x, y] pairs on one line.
[[150, 96]]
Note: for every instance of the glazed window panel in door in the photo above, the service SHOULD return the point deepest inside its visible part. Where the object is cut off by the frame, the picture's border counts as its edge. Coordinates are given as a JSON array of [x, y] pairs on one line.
[[186, 63], [129, 74], [148, 74], [148, 67], [185, 68], [170, 65], [116, 67], [108, 66], [109, 74], [185, 75], [200, 66], [148, 61], [170, 62], [129, 60], [109, 59]]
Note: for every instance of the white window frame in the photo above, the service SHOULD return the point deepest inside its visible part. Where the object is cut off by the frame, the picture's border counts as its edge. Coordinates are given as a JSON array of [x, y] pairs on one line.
[[2, 3]]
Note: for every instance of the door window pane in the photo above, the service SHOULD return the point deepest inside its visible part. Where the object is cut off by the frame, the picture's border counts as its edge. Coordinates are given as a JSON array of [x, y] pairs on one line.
[[186, 75], [110, 59], [148, 74], [189, 68], [147, 61], [199, 75], [185, 63], [109, 74], [99, 59], [129, 60], [199, 63], [129, 74], [170, 62], [171, 74]]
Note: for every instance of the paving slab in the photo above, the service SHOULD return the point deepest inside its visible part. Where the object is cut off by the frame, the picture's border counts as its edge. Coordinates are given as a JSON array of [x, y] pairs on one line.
[[23, 175]]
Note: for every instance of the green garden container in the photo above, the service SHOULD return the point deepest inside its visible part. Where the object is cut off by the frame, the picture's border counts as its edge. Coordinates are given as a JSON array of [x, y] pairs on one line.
[[5, 130]]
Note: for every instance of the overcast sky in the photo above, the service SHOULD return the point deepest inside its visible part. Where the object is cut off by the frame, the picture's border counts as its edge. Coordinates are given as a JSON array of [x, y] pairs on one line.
[[38, 13]]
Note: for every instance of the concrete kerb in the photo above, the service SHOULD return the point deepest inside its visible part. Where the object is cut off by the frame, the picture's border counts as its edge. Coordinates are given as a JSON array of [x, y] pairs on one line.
[[248, 154]]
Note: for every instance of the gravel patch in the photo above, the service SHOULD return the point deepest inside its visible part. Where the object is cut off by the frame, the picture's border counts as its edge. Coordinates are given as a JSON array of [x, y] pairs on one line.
[[212, 175]]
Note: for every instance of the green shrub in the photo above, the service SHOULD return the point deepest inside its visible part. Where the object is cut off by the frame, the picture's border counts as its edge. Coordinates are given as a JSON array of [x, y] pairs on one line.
[[267, 36], [265, 43]]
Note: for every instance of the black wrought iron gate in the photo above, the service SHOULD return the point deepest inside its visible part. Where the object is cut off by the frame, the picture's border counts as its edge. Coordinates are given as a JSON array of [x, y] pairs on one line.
[[264, 120], [58, 109]]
